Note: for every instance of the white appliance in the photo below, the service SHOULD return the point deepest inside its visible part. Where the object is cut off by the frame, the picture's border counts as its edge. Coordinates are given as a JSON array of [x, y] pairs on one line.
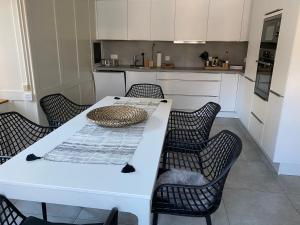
[[109, 83]]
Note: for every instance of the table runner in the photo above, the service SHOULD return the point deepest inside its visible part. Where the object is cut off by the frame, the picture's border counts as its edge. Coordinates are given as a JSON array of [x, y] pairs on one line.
[[94, 144]]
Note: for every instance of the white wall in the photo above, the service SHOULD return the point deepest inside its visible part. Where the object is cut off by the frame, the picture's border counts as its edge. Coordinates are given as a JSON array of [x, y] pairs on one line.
[[289, 130], [13, 73]]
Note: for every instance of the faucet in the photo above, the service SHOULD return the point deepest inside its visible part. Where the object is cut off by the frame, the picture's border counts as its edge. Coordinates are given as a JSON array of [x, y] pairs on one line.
[[135, 60]]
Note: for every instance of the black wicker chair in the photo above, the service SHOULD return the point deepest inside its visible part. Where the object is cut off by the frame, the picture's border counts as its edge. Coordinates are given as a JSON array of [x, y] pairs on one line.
[[18, 133], [198, 123], [214, 160], [10, 215], [145, 91], [202, 118], [59, 109]]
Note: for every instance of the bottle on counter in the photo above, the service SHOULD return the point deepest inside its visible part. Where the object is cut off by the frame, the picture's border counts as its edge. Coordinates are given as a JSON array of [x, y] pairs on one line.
[[158, 59]]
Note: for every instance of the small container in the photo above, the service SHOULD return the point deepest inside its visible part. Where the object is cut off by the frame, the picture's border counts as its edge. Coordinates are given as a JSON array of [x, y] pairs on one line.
[[151, 64]]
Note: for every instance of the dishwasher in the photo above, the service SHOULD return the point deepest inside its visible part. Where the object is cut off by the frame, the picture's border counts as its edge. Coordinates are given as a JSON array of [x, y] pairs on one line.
[[109, 83]]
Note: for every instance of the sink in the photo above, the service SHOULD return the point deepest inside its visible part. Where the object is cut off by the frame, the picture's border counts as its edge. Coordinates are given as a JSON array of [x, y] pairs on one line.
[[137, 67]]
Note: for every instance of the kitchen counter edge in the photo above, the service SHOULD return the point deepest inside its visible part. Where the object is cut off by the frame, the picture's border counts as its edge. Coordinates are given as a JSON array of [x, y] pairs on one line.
[[176, 69]]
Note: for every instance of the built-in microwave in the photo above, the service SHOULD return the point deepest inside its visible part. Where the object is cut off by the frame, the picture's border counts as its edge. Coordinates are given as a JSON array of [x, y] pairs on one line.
[[271, 29], [267, 52]]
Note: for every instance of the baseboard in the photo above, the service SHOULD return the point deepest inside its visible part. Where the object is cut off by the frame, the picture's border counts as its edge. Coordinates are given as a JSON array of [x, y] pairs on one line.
[[289, 169], [227, 114]]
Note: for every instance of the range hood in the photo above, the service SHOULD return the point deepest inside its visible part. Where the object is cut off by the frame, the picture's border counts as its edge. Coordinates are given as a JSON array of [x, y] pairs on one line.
[[189, 42]]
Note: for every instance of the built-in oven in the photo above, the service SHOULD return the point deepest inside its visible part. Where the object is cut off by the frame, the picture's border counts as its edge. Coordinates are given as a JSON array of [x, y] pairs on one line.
[[267, 54]]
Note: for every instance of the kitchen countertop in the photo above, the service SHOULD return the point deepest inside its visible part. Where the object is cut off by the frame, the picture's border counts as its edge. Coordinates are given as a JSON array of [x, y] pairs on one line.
[[175, 69], [2, 101]]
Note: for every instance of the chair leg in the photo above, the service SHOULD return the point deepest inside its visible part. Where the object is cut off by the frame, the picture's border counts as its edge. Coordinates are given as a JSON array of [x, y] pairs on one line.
[[155, 219], [208, 220], [44, 210]]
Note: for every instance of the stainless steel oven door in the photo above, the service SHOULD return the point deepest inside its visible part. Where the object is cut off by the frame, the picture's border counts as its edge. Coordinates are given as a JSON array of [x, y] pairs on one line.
[[263, 79]]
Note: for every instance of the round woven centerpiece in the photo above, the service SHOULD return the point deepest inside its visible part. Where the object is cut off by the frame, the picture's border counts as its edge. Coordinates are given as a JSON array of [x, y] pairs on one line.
[[117, 116]]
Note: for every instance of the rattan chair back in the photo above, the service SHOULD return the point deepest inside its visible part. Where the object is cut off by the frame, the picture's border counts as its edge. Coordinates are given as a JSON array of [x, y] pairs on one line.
[[59, 109], [18, 133], [145, 91]]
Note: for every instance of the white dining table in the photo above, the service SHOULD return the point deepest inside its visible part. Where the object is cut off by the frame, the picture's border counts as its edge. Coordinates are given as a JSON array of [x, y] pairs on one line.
[[89, 185]]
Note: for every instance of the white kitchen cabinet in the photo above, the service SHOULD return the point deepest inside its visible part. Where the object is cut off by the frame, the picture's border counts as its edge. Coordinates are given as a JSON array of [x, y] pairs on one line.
[[111, 19], [133, 77], [255, 128], [139, 19], [259, 107], [255, 32], [191, 19], [246, 20], [228, 92], [186, 87], [221, 27], [189, 102], [245, 95], [271, 126], [109, 84], [162, 20]]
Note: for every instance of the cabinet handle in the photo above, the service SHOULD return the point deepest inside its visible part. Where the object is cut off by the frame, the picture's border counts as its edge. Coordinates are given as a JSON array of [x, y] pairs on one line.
[[256, 117], [274, 11], [277, 94], [264, 63], [248, 78]]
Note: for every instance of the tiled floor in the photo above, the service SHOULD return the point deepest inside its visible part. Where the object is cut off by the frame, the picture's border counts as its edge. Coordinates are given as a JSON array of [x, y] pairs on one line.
[[253, 195]]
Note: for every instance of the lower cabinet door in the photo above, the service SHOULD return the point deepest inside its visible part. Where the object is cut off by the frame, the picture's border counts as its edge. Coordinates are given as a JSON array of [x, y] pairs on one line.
[[269, 136], [244, 98], [139, 77], [109, 84], [228, 93], [190, 103], [255, 128]]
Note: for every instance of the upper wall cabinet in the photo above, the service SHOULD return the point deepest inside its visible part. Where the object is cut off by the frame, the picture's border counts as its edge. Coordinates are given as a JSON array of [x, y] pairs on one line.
[[246, 20], [225, 20], [191, 19], [112, 19], [162, 20], [139, 19]]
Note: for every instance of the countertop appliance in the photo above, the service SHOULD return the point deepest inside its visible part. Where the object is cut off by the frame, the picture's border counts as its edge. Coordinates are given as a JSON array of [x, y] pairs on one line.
[[267, 54]]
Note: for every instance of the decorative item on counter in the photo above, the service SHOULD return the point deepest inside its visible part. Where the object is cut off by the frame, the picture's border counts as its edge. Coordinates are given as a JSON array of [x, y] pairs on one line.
[[168, 65], [204, 56], [151, 63], [146, 65], [215, 61], [158, 59]]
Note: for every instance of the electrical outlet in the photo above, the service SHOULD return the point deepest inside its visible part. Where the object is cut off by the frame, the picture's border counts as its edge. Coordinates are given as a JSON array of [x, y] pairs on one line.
[[27, 96], [26, 87]]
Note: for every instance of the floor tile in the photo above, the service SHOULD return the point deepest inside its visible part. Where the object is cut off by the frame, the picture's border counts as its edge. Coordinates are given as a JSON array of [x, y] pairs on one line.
[[55, 219], [259, 208], [295, 199], [52, 209], [253, 175], [98, 215], [218, 218], [291, 184]]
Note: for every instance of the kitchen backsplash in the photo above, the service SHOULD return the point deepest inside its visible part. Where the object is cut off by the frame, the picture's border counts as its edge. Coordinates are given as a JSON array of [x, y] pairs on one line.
[[182, 55]]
